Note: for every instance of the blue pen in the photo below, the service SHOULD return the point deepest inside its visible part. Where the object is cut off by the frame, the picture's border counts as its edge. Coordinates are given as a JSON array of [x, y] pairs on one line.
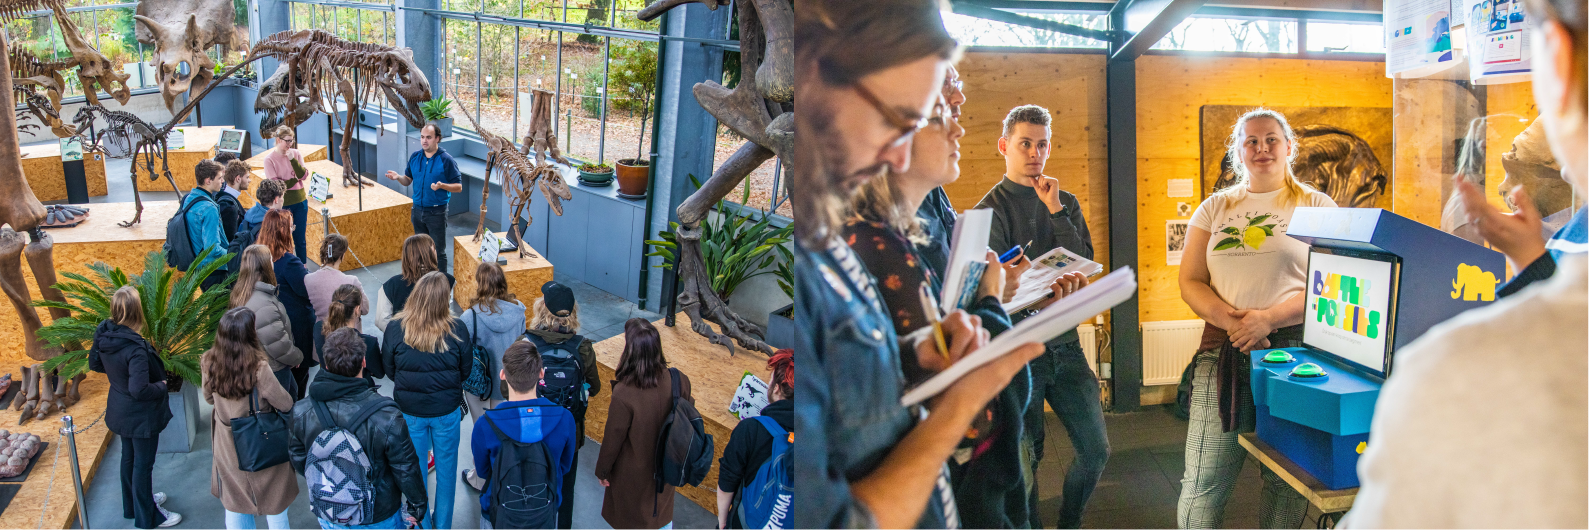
[[1012, 253]]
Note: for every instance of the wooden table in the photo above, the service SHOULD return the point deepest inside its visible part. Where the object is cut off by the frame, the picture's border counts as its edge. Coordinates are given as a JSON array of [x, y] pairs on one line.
[[198, 144], [375, 233], [1328, 501], [46, 174], [96, 239], [525, 275], [714, 375], [38, 500], [311, 153]]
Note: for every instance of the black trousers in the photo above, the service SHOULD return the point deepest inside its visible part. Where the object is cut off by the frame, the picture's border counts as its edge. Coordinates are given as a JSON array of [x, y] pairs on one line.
[[137, 481], [432, 221], [289, 381], [565, 511]]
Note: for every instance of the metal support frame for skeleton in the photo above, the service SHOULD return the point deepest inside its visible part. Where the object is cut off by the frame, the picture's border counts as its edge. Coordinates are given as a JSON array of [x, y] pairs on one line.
[[520, 175], [759, 109]]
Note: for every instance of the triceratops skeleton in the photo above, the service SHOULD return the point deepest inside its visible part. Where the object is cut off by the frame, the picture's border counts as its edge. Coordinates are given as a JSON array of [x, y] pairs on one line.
[[520, 175], [180, 31]]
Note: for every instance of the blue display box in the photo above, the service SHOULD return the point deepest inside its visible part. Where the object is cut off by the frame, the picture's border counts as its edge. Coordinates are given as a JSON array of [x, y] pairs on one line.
[[1320, 424]]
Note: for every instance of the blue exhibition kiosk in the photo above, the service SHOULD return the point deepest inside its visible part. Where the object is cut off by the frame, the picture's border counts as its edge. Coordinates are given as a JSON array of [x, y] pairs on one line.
[[1376, 281]]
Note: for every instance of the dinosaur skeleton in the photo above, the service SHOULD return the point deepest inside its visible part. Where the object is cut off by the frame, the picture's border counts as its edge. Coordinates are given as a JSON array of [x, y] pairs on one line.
[[22, 213], [520, 175], [126, 135], [93, 70], [179, 31], [760, 109], [39, 107]]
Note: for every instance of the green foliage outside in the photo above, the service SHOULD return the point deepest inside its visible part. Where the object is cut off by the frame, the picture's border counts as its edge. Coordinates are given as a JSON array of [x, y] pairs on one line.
[[178, 321]]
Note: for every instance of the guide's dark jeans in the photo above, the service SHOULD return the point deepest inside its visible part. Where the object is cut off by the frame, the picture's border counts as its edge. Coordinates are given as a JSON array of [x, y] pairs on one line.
[[1063, 378], [300, 222], [432, 221]]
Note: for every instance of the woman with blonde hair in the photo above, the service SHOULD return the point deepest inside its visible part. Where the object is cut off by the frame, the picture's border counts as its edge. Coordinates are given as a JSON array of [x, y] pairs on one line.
[[256, 289], [1244, 277], [285, 163], [426, 353], [136, 408], [238, 381], [419, 259]]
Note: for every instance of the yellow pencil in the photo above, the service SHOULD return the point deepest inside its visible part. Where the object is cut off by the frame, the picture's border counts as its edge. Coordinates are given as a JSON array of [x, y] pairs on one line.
[[931, 311]]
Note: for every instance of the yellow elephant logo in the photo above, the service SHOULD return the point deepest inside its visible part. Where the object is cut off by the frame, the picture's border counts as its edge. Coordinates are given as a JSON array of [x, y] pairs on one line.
[[1473, 283]]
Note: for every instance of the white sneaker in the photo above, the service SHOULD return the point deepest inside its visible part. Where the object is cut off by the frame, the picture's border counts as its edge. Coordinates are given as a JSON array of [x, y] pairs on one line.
[[159, 498], [170, 518]]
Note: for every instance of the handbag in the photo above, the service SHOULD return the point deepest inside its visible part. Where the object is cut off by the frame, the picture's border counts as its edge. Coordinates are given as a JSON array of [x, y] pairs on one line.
[[479, 381], [260, 438]]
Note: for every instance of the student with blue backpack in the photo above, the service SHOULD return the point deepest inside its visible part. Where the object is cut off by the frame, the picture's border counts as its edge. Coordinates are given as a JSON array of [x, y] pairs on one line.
[[344, 411], [200, 225], [754, 478], [524, 448]]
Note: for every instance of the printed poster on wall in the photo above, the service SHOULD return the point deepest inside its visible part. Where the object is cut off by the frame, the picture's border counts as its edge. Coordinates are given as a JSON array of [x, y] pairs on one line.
[[1497, 33], [1418, 37], [1174, 240]]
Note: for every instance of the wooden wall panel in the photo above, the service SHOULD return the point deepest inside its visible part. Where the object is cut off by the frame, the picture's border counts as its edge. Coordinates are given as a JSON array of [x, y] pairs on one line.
[[1171, 90], [1071, 87], [1511, 109]]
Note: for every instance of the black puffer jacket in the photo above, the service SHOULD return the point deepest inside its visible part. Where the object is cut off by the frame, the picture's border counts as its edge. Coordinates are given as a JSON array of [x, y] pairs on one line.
[[136, 407], [384, 436], [427, 385]]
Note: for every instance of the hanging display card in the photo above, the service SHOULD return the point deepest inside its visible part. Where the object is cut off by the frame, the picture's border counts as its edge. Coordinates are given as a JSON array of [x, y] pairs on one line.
[[319, 187], [1418, 37], [749, 398]]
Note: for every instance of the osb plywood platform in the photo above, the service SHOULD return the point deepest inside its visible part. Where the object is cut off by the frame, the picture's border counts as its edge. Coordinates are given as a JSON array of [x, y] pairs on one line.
[[198, 144], [97, 239], [42, 166], [38, 500], [714, 375], [310, 153], [375, 233], [525, 275]]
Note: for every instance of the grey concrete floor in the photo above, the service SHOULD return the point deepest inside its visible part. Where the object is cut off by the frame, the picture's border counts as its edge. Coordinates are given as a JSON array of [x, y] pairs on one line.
[[186, 477]]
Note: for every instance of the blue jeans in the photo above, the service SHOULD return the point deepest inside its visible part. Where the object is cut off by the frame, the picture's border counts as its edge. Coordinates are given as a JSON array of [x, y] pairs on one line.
[[439, 435], [236, 520], [300, 222], [1063, 379], [395, 522]]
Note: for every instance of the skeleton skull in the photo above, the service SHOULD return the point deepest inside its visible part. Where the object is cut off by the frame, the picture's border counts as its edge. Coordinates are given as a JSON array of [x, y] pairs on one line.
[[180, 31], [275, 95], [405, 85]]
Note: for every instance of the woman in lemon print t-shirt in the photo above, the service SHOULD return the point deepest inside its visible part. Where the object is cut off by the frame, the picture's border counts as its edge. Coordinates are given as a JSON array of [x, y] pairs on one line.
[[1244, 277]]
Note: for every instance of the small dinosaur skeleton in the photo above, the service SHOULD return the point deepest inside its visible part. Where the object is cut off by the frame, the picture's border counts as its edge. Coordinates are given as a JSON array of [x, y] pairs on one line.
[[126, 135], [38, 107], [520, 175]]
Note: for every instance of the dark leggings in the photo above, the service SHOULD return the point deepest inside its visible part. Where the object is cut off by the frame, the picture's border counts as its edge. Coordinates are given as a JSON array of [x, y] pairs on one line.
[[565, 512], [137, 481], [300, 222]]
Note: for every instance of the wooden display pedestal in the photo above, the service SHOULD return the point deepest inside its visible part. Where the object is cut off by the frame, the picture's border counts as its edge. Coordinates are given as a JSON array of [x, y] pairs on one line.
[[375, 233], [42, 166], [198, 144], [57, 503], [311, 153], [97, 239], [525, 275], [714, 375]]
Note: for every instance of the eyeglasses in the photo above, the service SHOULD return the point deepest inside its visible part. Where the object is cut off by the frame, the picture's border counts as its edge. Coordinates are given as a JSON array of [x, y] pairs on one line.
[[957, 84], [907, 127]]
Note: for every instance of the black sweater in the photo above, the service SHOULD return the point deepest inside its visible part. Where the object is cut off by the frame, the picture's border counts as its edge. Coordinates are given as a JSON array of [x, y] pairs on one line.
[[748, 448], [1020, 216], [427, 385]]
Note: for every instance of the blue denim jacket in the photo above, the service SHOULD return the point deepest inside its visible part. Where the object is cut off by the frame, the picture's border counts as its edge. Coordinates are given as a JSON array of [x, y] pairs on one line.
[[849, 384]]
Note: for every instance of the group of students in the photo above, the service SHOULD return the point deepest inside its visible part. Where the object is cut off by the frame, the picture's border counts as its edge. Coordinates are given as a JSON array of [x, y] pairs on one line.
[[879, 138], [525, 385]]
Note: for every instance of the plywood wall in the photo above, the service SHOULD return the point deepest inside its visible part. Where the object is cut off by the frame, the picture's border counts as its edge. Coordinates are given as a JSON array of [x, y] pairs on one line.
[[1170, 91], [1071, 86]]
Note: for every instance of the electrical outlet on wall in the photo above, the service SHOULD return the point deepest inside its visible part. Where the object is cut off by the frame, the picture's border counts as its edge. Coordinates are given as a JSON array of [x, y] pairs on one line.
[[1106, 370]]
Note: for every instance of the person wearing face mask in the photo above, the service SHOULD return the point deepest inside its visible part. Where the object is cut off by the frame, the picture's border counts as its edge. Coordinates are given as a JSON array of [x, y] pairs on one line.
[[1483, 422], [1244, 277], [865, 460]]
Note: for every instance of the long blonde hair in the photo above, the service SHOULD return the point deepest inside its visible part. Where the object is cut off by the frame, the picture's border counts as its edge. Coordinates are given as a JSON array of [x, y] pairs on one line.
[[257, 266], [126, 308], [1295, 190], [542, 318], [427, 321], [880, 201]]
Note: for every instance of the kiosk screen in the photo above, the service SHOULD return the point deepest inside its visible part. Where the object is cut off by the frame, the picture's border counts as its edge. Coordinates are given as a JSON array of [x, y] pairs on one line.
[[1348, 307]]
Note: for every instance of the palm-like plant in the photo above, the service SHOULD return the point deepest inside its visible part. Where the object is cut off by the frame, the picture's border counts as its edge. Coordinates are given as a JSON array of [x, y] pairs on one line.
[[734, 248], [178, 321]]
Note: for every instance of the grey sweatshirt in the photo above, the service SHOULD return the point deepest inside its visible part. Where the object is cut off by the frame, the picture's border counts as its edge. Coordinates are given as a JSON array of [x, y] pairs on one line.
[[497, 331]]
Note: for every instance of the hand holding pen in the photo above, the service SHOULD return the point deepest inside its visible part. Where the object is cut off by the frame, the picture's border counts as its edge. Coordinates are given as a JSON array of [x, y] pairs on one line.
[[954, 336]]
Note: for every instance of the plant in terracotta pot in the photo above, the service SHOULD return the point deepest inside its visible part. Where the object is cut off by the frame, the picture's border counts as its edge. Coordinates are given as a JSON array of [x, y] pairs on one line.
[[595, 173], [633, 176]]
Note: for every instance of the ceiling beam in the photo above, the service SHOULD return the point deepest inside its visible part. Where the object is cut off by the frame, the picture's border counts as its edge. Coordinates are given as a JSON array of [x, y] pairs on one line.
[[1145, 22], [973, 9]]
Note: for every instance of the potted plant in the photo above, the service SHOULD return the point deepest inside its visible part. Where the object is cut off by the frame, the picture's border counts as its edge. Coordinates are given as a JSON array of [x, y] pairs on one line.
[[435, 111], [597, 174], [734, 246], [634, 174], [179, 323]]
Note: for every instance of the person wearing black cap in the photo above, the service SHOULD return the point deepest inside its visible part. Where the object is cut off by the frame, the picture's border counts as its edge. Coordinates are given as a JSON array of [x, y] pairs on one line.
[[570, 361]]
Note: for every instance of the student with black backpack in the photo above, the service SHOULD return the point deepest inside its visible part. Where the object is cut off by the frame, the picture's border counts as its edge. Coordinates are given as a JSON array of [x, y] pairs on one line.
[[631, 459], [344, 411], [198, 223], [754, 477], [524, 448]]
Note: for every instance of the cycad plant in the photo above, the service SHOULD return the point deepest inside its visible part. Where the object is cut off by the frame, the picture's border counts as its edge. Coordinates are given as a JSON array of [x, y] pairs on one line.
[[735, 247], [178, 321]]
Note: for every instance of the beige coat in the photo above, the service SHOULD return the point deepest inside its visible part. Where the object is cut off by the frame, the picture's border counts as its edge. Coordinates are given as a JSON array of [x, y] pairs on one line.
[[265, 492]]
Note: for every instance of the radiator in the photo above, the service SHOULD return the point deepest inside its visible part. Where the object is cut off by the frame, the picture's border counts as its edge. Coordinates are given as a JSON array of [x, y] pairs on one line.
[[1167, 347], [1089, 344]]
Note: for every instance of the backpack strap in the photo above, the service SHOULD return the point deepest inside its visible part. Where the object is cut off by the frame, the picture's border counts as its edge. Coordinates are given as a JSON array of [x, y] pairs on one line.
[[777, 431], [674, 373], [368, 410]]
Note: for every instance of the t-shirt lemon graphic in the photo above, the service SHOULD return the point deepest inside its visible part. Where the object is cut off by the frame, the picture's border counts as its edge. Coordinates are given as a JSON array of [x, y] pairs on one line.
[[1250, 237]]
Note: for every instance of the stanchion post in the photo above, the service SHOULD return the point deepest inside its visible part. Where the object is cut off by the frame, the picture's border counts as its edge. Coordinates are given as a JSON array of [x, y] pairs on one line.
[[325, 219], [77, 476]]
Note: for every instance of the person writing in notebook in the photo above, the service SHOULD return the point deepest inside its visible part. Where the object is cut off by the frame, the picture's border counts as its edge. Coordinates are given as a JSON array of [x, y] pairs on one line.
[[1028, 206]]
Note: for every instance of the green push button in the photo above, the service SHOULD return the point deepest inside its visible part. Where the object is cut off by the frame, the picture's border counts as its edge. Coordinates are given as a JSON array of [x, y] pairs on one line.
[[1307, 370], [1277, 357]]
